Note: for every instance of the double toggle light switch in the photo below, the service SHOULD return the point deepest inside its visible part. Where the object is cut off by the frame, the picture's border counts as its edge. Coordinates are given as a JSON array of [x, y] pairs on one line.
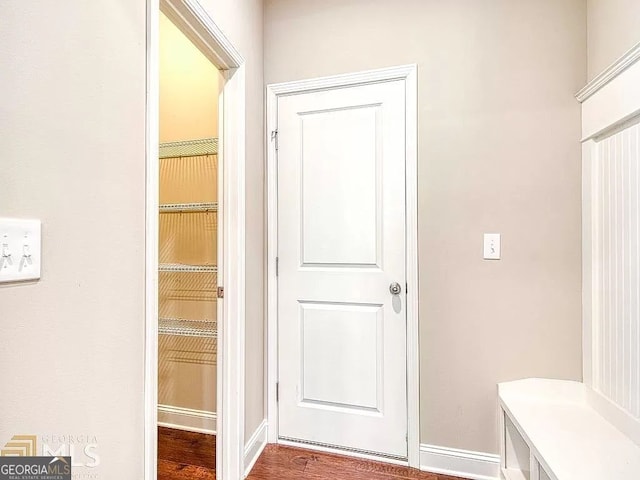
[[20, 250]]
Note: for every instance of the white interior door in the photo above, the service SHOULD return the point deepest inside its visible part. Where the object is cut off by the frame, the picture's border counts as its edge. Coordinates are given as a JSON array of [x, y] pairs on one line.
[[341, 245]]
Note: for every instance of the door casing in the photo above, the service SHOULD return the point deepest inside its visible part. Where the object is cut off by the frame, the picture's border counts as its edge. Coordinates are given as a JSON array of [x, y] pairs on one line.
[[193, 20], [408, 74]]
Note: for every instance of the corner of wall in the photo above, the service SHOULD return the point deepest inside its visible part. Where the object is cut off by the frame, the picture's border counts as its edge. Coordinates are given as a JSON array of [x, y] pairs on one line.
[[254, 446]]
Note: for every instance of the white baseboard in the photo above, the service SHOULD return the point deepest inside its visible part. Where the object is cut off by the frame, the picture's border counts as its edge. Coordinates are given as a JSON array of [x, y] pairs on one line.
[[187, 419], [254, 447], [459, 463]]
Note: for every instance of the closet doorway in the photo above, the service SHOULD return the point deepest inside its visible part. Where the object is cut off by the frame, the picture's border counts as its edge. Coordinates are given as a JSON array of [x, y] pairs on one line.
[[194, 376], [190, 87]]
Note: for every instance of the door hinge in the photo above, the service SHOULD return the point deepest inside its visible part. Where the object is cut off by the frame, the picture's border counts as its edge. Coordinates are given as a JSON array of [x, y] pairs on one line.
[[406, 288], [220, 292], [277, 391], [274, 138], [277, 266]]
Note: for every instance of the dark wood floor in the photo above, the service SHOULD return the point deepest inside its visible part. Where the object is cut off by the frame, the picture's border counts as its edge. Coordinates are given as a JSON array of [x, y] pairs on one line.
[[287, 463], [190, 456], [185, 455]]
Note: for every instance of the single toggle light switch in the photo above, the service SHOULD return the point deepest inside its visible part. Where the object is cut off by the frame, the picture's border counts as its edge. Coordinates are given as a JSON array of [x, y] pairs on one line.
[[26, 260], [20, 250], [5, 260], [492, 246]]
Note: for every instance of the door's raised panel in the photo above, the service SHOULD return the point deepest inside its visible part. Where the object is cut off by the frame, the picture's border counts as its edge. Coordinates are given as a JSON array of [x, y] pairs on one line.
[[341, 187], [342, 355]]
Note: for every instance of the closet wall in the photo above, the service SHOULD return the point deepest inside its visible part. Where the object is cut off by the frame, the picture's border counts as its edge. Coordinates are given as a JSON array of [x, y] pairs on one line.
[[189, 88]]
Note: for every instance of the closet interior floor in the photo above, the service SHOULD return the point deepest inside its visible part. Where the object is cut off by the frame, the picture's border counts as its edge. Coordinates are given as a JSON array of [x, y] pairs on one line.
[[185, 455]]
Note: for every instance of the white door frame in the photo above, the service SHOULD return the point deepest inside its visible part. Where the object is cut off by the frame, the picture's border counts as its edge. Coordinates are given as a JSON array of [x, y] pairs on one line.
[[407, 73], [193, 20]]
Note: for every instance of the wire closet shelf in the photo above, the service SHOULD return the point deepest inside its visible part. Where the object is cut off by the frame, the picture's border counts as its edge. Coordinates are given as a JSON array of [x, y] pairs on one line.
[[188, 328], [189, 148], [184, 268]]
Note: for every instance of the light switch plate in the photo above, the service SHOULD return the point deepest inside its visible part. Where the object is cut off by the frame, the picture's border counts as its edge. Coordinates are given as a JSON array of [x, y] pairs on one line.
[[492, 246], [20, 250]]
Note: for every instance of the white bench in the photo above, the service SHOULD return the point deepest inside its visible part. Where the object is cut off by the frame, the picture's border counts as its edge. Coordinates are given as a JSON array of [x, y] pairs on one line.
[[549, 431]]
